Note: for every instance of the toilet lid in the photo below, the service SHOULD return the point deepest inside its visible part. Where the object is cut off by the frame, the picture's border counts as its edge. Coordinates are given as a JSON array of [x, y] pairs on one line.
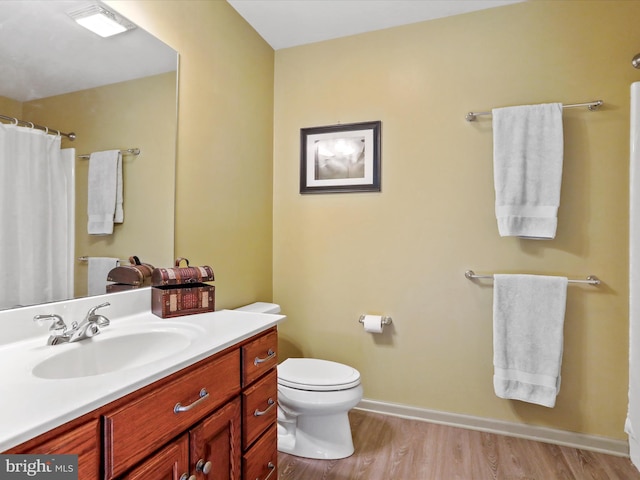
[[317, 375]]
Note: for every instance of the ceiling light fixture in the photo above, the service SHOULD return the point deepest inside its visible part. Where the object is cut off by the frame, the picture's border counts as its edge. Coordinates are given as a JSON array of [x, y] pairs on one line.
[[101, 21]]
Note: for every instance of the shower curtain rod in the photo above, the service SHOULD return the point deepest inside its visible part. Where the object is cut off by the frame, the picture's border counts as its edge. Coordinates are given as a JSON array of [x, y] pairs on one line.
[[471, 116], [16, 121]]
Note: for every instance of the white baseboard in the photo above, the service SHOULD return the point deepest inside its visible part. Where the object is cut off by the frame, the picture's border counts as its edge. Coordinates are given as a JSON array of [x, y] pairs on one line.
[[530, 432]]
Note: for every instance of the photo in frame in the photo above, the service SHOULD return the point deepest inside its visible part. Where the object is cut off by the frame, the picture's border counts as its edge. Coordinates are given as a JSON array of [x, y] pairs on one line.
[[340, 158]]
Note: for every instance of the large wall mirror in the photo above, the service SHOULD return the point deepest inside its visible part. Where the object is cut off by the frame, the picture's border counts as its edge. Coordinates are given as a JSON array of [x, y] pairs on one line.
[[113, 93]]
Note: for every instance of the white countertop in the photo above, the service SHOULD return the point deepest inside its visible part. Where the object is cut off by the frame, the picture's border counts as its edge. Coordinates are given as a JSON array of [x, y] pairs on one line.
[[30, 405]]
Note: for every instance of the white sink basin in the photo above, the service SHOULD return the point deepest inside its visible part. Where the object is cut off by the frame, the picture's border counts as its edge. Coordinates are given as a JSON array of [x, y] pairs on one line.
[[105, 354]]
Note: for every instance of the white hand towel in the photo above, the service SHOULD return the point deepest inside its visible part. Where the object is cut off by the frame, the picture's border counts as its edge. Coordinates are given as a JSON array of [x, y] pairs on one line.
[[528, 324], [118, 216], [105, 172], [527, 165], [99, 268]]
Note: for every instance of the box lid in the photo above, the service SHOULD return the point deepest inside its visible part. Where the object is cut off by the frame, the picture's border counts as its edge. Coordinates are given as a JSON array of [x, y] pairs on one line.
[[181, 275]]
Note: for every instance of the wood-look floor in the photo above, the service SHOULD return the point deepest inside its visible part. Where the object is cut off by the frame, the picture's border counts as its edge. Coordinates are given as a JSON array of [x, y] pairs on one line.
[[392, 448]]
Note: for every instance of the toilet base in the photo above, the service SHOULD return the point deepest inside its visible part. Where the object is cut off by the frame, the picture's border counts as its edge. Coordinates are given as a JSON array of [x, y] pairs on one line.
[[324, 437]]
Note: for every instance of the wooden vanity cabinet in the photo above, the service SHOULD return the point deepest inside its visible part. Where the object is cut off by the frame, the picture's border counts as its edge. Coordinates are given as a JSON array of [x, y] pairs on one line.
[[217, 416], [230, 434]]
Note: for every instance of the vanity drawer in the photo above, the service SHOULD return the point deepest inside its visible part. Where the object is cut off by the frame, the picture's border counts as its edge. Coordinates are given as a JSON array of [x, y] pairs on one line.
[[146, 423], [261, 461], [259, 356], [259, 408]]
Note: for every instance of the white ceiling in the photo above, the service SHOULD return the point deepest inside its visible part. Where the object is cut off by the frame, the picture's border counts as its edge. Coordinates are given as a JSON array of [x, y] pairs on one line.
[[288, 23], [43, 52]]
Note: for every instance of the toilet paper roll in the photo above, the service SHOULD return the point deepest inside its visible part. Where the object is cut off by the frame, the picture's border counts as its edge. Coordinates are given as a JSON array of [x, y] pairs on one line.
[[373, 323]]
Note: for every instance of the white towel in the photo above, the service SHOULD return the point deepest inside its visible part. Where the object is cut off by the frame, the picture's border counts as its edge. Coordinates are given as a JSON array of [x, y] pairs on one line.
[[528, 323], [105, 192], [527, 168], [118, 215], [99, 268]]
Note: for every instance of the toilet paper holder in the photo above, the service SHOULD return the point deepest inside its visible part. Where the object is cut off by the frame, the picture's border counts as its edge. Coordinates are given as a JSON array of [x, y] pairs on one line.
[[385, 320]]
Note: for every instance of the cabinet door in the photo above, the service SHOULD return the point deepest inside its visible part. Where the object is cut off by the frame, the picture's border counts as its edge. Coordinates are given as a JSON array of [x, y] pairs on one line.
[[170, 463], [83, 441], [215, 445]]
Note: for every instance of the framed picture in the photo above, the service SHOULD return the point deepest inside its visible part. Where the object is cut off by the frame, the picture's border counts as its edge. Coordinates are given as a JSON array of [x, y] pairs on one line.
[[340, 158]]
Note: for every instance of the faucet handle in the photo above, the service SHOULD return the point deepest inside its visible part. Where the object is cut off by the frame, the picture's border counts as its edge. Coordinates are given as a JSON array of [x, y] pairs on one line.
[[98, 319], [58, 322], [92, 311]]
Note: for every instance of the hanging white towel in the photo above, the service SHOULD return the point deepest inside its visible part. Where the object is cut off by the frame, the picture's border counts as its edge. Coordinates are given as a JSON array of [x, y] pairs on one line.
[[527, 165], [99, 268], [528, 324], [105, 191], [118, 215]]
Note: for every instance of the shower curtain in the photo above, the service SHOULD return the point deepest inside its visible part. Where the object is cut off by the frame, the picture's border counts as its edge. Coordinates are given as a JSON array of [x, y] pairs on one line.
[[632, 425], [36, 219]]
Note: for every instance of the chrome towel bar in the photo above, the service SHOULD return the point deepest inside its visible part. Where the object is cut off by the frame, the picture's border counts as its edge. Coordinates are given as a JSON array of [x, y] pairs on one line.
[[591, 279], [128, 151], [85, 258], [471, 116]]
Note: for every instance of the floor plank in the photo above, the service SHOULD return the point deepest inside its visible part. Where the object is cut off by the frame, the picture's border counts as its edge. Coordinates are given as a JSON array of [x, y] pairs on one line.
[[393, 448]]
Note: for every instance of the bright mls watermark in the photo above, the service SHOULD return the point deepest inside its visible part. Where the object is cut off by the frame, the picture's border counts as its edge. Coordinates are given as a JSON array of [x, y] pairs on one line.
[[39, 467]]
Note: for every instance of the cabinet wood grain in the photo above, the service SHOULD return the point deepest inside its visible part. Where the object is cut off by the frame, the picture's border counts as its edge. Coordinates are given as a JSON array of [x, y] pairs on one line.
[[261, 461], [259, 356], [83, 440], [217, 440], [259, 407], [170, 463]]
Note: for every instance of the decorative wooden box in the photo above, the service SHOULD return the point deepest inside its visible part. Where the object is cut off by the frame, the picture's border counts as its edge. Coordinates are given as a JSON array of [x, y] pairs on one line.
[[129, 277], [180, 291]]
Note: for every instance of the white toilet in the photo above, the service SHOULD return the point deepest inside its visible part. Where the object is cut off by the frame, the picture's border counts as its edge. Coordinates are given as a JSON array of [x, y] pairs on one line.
[[314, 398]]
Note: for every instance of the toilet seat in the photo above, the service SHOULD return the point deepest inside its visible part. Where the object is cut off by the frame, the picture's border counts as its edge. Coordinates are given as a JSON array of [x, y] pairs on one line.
[[317, 375]]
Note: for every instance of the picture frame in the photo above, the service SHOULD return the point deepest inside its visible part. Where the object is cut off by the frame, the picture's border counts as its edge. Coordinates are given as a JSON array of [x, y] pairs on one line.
[[343, 158]]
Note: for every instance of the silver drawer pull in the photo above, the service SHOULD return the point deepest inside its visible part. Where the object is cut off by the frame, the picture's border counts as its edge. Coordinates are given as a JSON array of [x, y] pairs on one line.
[[271, 467], [270, 355], [259, 413], [179, 408], [185, 476]]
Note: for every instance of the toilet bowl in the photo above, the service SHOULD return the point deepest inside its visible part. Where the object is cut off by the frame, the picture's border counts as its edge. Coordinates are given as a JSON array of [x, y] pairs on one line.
[[314, 399]]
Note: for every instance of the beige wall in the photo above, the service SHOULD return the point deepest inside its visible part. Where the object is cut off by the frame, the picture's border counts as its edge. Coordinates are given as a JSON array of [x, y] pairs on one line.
[[403, 252], [225, 135], [10, 107], [134, 114]]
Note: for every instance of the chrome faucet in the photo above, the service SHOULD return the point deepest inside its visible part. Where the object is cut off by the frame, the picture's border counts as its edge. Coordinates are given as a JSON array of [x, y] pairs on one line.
[[87, 328], [58, 327]]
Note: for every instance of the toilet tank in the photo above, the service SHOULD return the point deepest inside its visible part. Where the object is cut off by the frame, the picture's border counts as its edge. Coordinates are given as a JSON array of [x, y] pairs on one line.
[[261, 307]]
